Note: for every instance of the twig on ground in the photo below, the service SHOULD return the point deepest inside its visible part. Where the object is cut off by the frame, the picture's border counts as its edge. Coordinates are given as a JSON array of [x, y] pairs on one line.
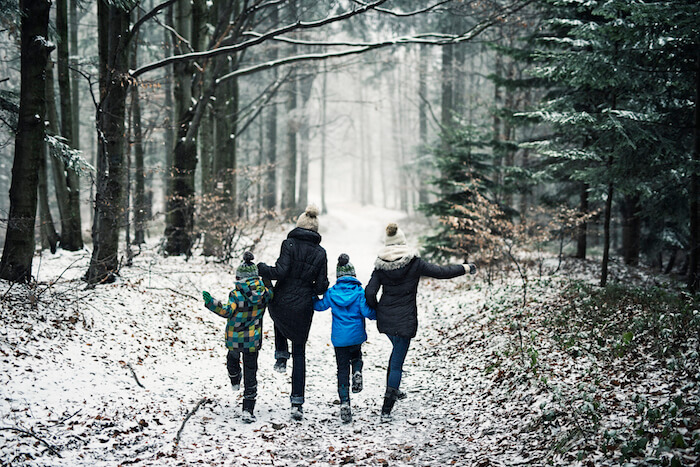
[[65, 419], [204, 400], [19, 430], [133, 373]]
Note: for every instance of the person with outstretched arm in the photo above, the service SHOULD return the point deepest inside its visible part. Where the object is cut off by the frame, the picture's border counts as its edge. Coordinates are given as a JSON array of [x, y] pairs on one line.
[[397, 271]]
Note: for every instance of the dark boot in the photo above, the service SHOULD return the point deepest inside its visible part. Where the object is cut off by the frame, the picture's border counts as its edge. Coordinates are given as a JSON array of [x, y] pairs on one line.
[[235, 381], [389, 399], [248, 407], [356, 365], [297, 412], [281, 365]]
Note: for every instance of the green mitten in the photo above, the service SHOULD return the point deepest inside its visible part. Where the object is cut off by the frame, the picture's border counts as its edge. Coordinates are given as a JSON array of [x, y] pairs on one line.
[[207, 297]]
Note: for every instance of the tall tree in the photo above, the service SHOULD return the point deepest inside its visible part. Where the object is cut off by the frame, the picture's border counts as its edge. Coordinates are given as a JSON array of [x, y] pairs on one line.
[[17, 254], [71, 226], [271, 150], [113, 34]]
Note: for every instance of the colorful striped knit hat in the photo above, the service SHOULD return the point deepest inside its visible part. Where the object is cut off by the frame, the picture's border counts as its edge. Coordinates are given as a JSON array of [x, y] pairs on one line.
[[247, 268], [345, 267]]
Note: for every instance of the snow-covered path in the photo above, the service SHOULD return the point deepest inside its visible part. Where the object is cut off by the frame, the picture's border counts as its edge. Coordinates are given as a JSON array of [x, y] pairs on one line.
[[76, 373]]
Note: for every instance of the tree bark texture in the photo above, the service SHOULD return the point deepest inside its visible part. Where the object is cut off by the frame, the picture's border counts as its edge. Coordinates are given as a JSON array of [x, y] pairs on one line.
[[582, 228], [290, 175], [423, 121], [113, 26], [60, 180], [270, 184], [606, 235], [180, 202], [694, 254], [49, 236], [71, 226], [305, 87], [18, 252], [630, 209]]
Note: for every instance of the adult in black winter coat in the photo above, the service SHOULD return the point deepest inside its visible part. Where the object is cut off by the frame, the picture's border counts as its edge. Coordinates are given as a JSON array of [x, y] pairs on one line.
[[397, 270], [301, 272]]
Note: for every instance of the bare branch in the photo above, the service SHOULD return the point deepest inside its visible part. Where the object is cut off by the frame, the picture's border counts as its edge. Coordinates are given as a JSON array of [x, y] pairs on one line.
[[425, 38], [204, 400], [403, 15], [300, 25], [133, 373], [148, 16], [33, 435]]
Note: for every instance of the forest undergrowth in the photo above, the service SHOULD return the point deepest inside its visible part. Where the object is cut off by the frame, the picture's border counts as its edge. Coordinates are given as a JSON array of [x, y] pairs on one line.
[[615, 369]]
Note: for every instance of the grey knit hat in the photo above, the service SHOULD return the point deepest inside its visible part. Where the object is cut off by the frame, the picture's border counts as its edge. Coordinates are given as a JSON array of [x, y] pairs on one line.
[[345, 267], [247, 268], [309, 218]]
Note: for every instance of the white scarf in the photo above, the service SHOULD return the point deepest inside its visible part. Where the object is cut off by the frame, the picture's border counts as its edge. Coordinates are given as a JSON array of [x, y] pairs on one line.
[[395, 256]]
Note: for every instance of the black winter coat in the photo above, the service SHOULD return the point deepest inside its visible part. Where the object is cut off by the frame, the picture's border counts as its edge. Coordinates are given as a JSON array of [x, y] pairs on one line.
[[397, 312], [301, 272]]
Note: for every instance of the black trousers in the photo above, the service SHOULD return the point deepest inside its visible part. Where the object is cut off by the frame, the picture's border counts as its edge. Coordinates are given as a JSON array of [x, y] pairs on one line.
[[347, 357], [250, 371], [281, 345]]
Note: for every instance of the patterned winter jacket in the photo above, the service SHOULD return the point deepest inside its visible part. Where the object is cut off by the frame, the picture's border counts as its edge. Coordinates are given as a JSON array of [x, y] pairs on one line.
[[244, 311]]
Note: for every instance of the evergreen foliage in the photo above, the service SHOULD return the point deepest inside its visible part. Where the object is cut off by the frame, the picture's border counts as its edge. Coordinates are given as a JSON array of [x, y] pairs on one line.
[[463, 162]]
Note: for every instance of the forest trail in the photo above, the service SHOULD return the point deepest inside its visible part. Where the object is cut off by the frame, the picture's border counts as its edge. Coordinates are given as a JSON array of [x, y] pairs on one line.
[[111, 375]]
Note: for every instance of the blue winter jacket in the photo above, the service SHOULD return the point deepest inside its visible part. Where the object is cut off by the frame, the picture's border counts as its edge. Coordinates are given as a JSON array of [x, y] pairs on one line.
[[347, 302]]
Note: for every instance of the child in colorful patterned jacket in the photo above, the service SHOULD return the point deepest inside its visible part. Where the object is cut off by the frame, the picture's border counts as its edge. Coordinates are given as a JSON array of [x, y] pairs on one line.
[[244, 311], [349, 308]]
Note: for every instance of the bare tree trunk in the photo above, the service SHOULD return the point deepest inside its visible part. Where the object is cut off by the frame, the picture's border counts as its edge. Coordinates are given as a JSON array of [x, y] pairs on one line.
[[75, 92], [362, 143], [694, 254], [582, 229], [169, 136], [606, 241], [71, 236], [290, 177], [324, 103], [113, 26], [270, 184], [57, 165], [139, 173], [305, 87], [180, 202], [631, 229], [49, 236], [18, 252], [422, 122], [447, 84]]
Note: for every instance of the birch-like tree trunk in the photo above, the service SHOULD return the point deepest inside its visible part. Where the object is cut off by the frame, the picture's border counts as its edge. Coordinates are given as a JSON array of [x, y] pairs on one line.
[[18, 251]]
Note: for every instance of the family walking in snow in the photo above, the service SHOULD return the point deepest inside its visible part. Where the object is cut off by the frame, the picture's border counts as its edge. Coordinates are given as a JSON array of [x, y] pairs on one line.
[[301, 287]]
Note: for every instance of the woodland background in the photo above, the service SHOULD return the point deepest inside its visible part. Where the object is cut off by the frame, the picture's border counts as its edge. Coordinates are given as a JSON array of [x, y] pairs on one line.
[[553, 142]]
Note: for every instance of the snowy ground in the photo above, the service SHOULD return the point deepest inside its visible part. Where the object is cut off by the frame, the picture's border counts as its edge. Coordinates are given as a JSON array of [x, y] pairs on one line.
[[109, 376]]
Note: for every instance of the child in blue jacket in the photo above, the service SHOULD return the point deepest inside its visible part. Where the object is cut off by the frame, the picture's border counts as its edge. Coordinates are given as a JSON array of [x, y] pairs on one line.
[[349, 308], [244, 312]]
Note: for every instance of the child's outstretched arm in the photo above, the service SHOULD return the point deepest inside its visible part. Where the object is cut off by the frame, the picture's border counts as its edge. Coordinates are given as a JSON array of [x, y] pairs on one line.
[[217, 307], [322, 304]]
